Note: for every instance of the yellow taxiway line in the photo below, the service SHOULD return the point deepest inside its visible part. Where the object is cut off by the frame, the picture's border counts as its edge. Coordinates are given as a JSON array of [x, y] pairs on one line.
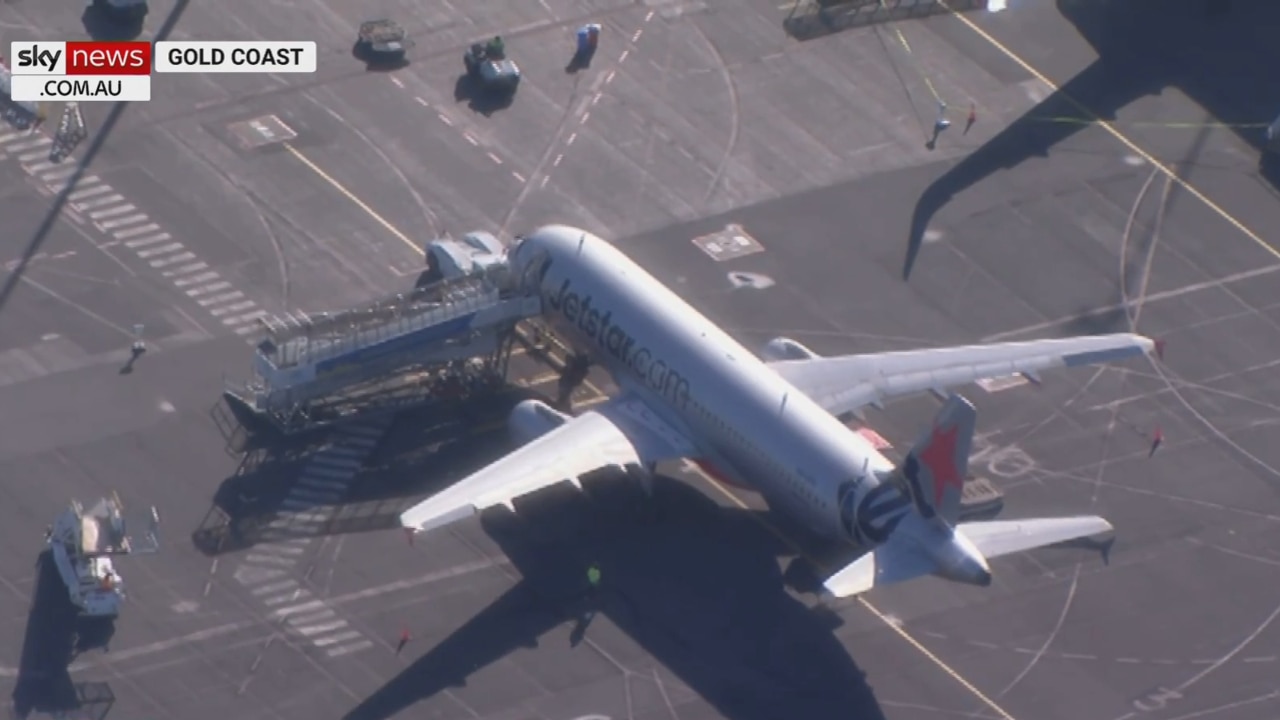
[[342, 190], [896, 627], [1111, 130]]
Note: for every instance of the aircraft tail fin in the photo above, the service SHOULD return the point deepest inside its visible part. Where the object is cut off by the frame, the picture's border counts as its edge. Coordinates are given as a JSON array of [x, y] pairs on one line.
[[935, 469]]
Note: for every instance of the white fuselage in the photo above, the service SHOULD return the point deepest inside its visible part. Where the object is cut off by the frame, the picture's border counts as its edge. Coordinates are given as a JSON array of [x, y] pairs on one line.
[[751, 426]]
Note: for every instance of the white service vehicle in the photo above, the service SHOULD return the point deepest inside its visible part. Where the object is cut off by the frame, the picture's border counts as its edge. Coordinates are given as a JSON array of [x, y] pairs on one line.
[[478, 253], [83, 545]]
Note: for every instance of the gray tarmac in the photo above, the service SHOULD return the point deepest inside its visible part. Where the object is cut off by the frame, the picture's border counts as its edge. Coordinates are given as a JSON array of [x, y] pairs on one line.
[[1179, 621], [686, 114]]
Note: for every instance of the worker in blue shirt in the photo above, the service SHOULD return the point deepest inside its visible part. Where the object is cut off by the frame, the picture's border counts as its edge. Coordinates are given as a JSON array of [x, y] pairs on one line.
[[588, 36]]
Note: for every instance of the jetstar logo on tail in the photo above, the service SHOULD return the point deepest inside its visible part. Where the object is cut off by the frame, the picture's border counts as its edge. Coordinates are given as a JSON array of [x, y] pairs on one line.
[[601, 329], [938, 458]]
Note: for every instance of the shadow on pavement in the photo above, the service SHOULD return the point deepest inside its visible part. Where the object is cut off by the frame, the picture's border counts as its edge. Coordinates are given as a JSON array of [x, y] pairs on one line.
[[424, 449], [698, 586], [1207, 49], [54, 638]]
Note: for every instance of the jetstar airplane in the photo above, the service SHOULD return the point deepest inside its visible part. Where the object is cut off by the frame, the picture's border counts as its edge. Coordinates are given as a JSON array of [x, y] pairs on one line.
[[689, 391]]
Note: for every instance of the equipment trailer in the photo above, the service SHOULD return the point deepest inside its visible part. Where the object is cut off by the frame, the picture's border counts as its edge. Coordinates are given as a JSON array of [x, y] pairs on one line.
[[83, 545]]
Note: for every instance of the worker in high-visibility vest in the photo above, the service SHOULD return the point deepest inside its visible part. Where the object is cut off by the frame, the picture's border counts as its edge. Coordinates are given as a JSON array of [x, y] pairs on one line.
[[593, 579]]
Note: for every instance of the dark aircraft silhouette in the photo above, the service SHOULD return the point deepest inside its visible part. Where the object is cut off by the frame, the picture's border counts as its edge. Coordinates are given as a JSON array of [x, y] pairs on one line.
[[697, 586], [1214, 51]]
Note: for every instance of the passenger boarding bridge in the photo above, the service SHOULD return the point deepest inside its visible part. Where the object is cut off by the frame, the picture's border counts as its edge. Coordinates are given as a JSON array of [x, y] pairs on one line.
[[395, 352]]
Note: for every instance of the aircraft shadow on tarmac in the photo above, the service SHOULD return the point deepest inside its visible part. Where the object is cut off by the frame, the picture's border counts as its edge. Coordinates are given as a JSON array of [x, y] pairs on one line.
[[424, 450], [55, 636], [695, 584], [1209, 49]]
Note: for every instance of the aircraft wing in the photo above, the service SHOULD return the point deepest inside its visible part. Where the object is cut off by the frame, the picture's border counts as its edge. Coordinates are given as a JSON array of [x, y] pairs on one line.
[[621, 432], [847, 383]]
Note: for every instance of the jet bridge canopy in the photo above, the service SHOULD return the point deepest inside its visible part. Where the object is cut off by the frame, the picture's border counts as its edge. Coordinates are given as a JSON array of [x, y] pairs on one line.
[[307, 366]]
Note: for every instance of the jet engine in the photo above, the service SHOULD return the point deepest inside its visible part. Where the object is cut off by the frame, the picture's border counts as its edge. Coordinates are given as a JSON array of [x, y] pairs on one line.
[[783, 348], [532, 419]]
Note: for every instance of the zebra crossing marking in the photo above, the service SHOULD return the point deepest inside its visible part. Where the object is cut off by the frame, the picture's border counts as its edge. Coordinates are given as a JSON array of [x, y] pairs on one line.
[[271, 560], [149, 240], [162, 250], [117, 210], [287, 600], [58, 174], [121, 222], [210, 287], [219, 299], [113, 214], [135, 231], [89, 192], [240, 320], [327, 641], [193, 279], [98, 202], [309, 630], [347, 649], [193, 267], [219, 312], [40, 142], [165, 262], [275, 586]]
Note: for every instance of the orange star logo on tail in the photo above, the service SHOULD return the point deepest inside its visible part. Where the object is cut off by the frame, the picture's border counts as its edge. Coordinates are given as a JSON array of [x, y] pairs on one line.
[[940, 458]]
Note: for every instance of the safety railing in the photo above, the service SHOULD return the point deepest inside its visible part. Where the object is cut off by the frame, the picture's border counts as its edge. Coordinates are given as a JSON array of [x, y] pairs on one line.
[[338, 340]]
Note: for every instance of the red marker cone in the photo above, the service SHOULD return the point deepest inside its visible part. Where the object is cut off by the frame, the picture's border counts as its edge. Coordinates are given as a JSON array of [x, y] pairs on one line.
[[404, 640], [1156, 439]]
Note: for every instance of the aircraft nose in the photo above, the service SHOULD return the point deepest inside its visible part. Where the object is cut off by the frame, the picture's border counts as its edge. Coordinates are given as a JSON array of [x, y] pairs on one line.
[[984, 577]]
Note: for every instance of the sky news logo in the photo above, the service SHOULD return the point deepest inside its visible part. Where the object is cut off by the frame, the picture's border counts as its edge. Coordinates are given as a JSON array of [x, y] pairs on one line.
[[81, 58], [86, 71]]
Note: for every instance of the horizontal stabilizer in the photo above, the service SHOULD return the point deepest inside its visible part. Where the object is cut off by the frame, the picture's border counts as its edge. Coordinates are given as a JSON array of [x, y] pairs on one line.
[[885, 565], [899, 560], [1004, 537]]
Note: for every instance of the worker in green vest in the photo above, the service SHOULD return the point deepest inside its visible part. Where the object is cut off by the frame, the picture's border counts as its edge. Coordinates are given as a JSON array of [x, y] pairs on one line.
[[593, 578]]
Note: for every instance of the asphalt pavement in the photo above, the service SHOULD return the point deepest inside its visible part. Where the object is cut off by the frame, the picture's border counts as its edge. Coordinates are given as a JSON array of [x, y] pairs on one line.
[[691, 127]]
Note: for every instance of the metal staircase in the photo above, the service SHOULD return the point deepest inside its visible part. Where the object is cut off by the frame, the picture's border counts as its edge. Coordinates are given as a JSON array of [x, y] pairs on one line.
[[315, 369]]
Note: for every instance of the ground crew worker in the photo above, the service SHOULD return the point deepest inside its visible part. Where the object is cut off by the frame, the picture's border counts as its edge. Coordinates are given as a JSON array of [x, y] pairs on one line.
[[588, 36], [495, 49], [593, 578]]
